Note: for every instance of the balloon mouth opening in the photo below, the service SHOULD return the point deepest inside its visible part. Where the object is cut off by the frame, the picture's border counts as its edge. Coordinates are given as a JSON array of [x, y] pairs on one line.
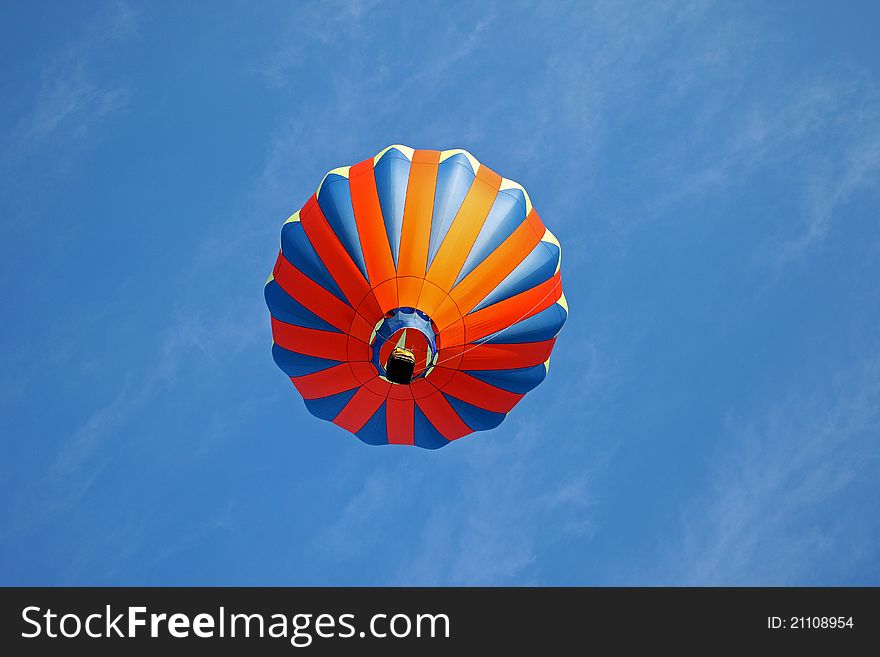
[[404, 345], [400, 366]]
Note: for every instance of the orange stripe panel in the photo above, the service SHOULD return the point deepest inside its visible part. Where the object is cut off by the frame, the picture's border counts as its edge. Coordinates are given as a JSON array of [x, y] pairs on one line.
[[447, 314], [413, 256], [536, 224], [314, 297], [495, 268], [400, 421], [358, 410], [386, 295], [326, 382], [452, 335], [444, 418], [311, 342], [430, 298], [370, 224], [506, 356], [412, 260], [408, 290], [465, 228]]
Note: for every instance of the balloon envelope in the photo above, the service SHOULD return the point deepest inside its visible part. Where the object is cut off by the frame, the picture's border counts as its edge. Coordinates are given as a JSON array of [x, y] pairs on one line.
[[424, 256]]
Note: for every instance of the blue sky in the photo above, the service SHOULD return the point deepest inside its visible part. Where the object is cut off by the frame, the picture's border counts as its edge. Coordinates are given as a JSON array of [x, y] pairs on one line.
[[712, 413]]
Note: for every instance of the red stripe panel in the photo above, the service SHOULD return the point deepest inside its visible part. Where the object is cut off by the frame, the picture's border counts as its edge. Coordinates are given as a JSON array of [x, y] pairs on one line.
[[380, 386], [440, 375], [311, 342], [326, 382], [421, 388], [498, 316], [444, 418], [399, 392], [479, 393], [357, 350], [364, 371], [358, 410], [506, 356], [400, 421], [336, 258], [449, 358], [310, 294], [361, 329]]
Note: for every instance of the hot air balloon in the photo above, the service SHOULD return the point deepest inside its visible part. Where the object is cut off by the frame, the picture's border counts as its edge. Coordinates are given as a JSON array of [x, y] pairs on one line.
[[416, 298]]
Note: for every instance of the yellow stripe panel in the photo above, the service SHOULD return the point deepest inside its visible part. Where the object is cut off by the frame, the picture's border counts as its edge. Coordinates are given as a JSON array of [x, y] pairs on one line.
[[563, 302]]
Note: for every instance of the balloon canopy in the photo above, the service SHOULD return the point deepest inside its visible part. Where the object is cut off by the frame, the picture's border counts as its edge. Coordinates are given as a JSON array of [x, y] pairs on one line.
[[416, 298]]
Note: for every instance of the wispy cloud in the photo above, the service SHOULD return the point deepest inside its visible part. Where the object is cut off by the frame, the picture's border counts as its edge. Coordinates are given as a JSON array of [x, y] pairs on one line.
[[332, 24], [505, 515], [70, 99], [787, 501], [490, 528], [819, 135], [83, 457], [837, 175], [80, 459]]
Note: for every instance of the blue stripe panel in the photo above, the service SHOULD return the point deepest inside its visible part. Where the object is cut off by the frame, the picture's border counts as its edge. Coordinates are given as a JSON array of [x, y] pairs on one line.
[[327, 408], [392, 176], [507, 213], [537, 267], [537, 328], [518, 380], [478, 419], [290, 311], [426, 435], [299, 252], [518, 195], [296, 364], [375, 431], [335, 203], [454, 178]]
